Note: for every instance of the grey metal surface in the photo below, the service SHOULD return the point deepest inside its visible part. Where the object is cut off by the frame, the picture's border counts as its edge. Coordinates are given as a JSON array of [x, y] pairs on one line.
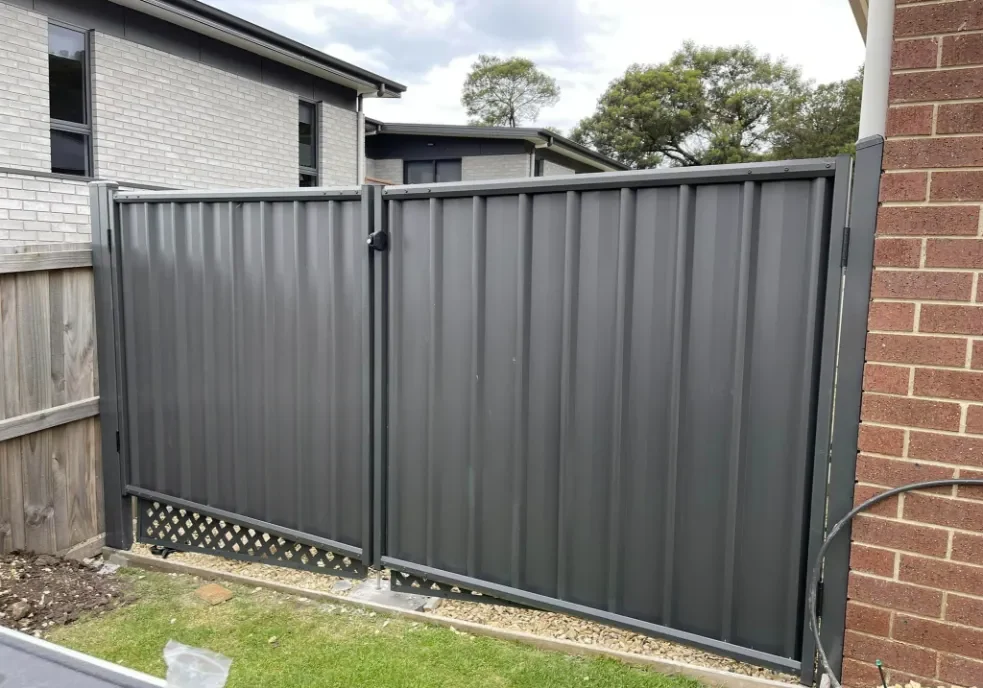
[[27, 662], [116, 506], [838, 245], [849, 389], [605, 397], [247, 358]]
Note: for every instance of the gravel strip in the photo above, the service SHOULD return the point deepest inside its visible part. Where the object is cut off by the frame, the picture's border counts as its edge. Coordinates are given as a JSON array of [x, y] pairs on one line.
[[320, 582], [563, 627], [548, 624]]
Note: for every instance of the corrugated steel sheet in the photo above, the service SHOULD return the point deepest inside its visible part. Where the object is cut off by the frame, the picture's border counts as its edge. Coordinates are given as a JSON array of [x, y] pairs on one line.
[[607, 397], [246, 357]]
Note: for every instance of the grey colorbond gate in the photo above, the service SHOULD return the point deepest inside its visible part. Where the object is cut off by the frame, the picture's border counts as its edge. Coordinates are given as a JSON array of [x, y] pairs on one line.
[[603, 392], [245, 373], [609, 395]]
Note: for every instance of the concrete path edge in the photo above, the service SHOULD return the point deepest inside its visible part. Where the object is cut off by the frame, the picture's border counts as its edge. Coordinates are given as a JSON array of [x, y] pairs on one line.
[[710, 677]]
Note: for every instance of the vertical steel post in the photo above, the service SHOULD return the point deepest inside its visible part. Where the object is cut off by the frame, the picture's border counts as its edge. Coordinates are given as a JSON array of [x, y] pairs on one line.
[[849, 389], [105, 259]]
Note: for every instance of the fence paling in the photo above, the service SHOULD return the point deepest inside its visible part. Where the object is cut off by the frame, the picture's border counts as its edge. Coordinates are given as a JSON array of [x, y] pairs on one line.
[[50, 493]]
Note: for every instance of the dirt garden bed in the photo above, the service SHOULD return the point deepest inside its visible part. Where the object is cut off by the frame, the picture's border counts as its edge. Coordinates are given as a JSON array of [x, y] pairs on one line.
[[38, 593]]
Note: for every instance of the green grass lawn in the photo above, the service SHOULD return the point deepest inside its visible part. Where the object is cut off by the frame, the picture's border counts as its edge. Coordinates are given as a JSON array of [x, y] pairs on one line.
[[326, 645]]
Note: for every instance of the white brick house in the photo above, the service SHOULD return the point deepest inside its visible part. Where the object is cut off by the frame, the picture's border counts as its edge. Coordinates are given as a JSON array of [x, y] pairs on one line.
[[162, 93]]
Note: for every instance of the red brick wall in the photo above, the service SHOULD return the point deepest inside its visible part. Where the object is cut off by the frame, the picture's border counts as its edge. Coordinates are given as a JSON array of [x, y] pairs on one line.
[[916, 581]]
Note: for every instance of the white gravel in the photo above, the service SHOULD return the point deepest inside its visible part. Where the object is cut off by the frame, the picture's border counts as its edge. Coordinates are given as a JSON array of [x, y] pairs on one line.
[[547, 624]]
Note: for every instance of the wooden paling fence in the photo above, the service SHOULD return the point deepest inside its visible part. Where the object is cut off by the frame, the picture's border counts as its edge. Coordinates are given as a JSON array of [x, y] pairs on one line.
[[50, 459]]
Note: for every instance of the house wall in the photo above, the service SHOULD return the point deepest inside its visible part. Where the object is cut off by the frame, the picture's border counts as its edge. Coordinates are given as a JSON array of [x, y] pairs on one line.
[[169, 108], [390, 170], [480, 168], [162, 119], [556, 164], [481, 159], [25, 141], [916, 585]]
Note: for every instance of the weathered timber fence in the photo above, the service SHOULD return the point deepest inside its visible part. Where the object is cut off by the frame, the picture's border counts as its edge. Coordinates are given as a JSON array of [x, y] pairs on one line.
[[50, 461]]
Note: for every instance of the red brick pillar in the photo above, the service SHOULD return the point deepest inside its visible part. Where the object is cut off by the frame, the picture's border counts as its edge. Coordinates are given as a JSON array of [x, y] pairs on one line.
[[916, 581]]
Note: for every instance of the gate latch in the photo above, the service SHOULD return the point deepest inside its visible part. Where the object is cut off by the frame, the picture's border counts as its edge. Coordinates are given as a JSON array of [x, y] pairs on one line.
[[378, 241]]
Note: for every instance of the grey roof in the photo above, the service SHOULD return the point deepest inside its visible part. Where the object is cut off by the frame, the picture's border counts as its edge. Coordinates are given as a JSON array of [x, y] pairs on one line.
[[27, 661], [556, 142], [210, 21]]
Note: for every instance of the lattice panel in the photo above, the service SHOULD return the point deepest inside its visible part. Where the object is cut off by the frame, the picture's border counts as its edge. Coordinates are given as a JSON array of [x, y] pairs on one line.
[[180, 529], [401, 581]]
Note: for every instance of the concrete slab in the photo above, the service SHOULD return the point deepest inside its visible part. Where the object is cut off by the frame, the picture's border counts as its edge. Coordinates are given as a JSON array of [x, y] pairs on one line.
[[366, 591]]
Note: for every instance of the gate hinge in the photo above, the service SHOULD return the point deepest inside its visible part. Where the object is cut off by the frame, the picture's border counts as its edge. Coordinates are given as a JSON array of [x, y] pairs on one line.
[[845, 254], [378, 241], [819, 599]]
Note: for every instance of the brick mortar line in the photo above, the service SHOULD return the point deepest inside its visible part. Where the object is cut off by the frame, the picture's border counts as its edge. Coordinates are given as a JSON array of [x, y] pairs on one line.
[[895, 71], [936, 619], [926, 302], [934, 526], [948, 433], [944, 203], [948, 400], [963, 271], [917, 461]]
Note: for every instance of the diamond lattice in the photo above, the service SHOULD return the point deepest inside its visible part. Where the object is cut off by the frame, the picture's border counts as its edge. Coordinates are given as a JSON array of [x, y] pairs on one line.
[[180, 529]]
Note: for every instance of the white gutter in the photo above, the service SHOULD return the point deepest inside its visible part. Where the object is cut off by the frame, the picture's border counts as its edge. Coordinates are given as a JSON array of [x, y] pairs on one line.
[[877, 68]]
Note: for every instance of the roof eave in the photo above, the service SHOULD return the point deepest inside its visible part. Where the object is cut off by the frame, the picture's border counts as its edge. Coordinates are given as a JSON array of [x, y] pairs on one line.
[[860, 9], [561, 144], [209, 21]]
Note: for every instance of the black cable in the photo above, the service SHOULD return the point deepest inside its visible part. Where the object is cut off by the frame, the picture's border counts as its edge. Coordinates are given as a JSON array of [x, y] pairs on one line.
[[814, 577]]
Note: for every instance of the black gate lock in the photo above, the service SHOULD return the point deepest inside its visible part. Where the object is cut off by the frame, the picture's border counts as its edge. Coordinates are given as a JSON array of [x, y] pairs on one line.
[[378, 241]]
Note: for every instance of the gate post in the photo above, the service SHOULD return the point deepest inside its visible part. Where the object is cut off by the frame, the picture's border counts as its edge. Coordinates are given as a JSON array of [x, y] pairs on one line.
[[117, 506], [850, 373]]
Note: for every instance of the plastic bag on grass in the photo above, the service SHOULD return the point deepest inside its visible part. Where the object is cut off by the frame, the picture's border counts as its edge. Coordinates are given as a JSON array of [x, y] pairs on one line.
[[192, 667]]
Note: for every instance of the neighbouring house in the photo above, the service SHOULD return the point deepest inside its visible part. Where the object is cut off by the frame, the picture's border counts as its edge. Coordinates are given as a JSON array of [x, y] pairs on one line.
[[427, 153], [162, 93]]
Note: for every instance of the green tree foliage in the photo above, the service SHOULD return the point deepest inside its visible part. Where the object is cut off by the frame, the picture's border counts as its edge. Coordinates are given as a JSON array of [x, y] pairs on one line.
[[711, 106], [501, 92], [826, 124]]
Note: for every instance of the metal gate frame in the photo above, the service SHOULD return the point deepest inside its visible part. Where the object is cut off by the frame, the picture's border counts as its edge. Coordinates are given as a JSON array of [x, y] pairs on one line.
[[840, 379]]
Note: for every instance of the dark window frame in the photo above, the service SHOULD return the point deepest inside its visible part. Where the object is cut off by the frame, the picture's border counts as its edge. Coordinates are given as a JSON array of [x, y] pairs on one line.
[[67, 127], [539, 167], [433, 166], [315, 171]]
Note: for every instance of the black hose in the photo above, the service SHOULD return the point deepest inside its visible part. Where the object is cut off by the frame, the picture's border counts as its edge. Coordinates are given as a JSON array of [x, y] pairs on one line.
[[814, 577]]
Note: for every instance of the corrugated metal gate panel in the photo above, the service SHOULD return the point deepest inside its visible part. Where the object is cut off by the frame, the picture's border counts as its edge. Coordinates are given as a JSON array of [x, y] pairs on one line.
[[606, 397], [246, 356]]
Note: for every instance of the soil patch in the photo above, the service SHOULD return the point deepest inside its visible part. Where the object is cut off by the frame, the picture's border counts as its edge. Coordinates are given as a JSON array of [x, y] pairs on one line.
[[40, 592]]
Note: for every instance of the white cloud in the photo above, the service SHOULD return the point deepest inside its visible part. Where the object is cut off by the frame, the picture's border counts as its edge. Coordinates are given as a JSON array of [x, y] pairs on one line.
[[374, 59], [434, 99], [429, 44], [648, 31]]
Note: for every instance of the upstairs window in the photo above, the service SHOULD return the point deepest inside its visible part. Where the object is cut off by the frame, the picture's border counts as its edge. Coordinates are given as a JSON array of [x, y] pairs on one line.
[[432, 171], [308, 136], [68, 94]]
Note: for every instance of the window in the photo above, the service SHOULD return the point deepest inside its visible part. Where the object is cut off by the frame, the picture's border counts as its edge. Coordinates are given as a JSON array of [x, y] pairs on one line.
[[68, 91], [430, 171], [307, 136], [540, 168]]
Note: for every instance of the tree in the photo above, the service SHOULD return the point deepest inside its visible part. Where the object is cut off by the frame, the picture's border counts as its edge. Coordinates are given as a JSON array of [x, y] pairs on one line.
[[826, 124], [705, 106], [506, 92]]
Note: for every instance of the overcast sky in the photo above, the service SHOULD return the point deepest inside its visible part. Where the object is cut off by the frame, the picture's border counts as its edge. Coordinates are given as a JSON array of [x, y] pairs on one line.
[[429, 44]]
